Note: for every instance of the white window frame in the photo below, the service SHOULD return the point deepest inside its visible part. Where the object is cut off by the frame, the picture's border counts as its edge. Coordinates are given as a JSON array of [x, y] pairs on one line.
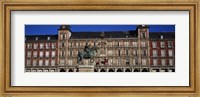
[[155, 53], [53, 54], [170, 53], [155, 62], [41, 45], [41, 54], [29, 54], [53, 62], [154, 44], [162, 44], [171, 63], [144, 62], [40, 62], [35, 54], [46, 62], [28, 62], [35, 46], [47, 54], [163, 62], [34, 62], [163, 53]]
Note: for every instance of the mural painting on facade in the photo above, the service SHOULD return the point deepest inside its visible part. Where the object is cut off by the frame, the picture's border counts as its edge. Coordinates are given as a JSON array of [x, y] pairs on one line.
[[120, 48]]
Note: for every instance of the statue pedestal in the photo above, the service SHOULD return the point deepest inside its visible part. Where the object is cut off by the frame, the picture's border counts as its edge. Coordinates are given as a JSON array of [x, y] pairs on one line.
[[86, 68]]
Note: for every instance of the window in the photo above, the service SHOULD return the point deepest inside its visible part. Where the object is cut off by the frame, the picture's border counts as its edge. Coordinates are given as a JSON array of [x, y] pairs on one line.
[[170, 44], [134, 44], [46, 62], [155, 62], [126, 44], [34, 62], [163, 62], [119, 62], [110, 52], [126, 52], [161, 37], [77, 44], [62, 62], [48, 38], [53, 54], [70, 53], [135, 52], [119, 53], [162, 44], [143, 61], [41, 45], [41, 53], [47, 53], [170, 62], [40, 62], [35, 46], [170, 52], [47, 45], [155, 53], [118, 44], [144, 53], [63, 36], [29, 54], [154, 44], [35, 54], [62, 45], [163, 53], [143, 44], [29, 46], [143, 35], [62, 53], [53, 62], [127, 62], [28, 62], [136, 61], [70, 62], [53, 45]]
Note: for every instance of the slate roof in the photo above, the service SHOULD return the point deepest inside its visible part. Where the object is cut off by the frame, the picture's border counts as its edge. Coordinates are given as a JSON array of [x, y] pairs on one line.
[[41, 37], [157, 35], [109, 34]]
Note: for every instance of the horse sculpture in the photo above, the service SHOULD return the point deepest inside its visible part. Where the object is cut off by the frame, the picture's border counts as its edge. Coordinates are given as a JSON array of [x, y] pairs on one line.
[[88, 53]]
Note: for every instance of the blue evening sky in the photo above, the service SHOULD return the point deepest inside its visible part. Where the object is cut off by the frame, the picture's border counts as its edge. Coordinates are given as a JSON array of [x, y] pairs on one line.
[[52, 29]]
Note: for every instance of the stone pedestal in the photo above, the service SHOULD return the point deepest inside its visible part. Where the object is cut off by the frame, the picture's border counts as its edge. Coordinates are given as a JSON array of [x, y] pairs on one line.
[[86, 68]]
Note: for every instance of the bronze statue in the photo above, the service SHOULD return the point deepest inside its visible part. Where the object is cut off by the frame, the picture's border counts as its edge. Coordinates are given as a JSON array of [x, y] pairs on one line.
[[87, 53]]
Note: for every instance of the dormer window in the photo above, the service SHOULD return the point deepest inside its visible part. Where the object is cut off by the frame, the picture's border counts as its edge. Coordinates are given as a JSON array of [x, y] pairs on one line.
[[161, 37], [48, 38]]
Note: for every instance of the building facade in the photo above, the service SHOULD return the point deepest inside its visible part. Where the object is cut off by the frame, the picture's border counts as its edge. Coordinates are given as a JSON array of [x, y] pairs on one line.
[[115, 51]]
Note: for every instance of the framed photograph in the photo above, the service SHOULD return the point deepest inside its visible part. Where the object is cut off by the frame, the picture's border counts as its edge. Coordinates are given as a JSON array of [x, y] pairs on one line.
[[99, 48]]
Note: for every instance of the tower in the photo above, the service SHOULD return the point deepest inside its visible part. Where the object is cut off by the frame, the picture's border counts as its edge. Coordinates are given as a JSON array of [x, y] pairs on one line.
[[143, 48], [64, 34]]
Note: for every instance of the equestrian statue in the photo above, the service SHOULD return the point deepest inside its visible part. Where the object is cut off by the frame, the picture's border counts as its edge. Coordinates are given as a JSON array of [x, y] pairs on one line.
[[87, 53]]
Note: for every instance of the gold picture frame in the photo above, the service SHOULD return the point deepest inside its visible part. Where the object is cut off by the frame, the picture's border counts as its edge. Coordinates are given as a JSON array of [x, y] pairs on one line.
[[122, 5]]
